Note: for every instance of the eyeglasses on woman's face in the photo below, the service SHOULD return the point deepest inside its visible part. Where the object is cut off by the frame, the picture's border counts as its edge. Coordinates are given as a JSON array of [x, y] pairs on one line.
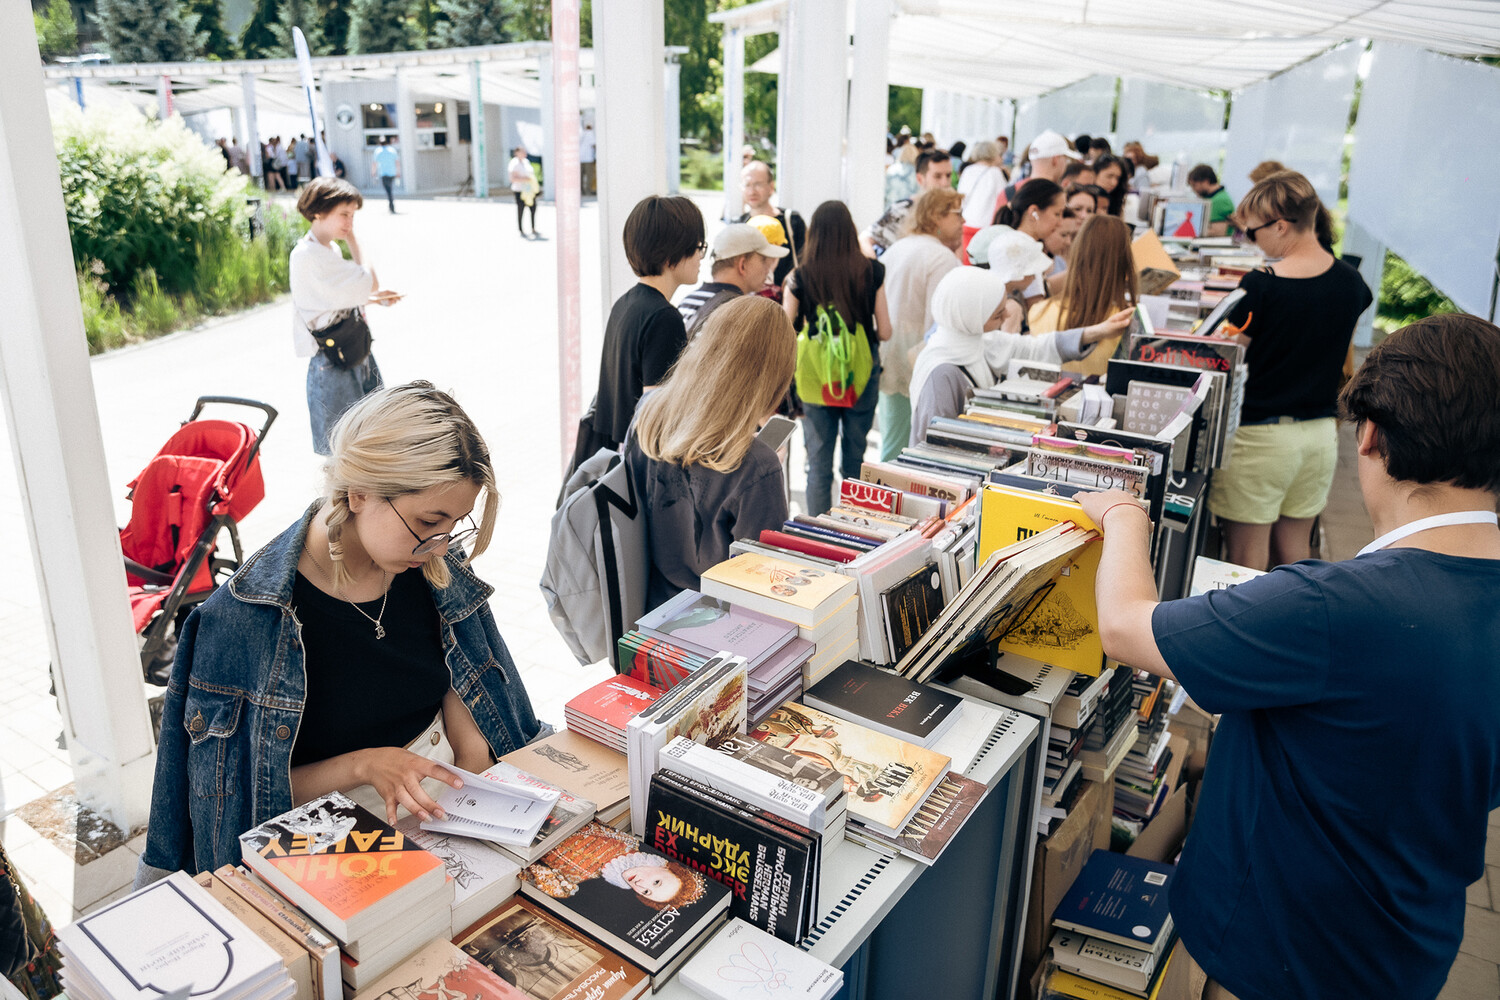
[[1250, 231], [430, 544]]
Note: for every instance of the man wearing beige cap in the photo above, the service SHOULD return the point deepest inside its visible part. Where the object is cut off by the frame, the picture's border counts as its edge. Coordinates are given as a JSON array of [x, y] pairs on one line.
[[1048, 154], [742, 263]]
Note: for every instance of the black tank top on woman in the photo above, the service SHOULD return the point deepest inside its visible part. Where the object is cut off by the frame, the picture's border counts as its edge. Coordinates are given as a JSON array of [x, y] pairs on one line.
[[362, 691]]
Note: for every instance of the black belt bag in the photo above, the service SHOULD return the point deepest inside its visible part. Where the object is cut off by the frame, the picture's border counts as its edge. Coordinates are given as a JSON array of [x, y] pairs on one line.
[[345, 341]]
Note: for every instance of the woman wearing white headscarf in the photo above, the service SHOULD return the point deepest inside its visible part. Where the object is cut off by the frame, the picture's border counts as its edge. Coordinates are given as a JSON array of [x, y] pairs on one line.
[[970, 344]]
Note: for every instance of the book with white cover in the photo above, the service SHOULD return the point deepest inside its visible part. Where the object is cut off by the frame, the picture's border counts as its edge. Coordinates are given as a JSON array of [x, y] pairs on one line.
[[1116, 965], [568, 813], [170, 936], [785, 798], [1211, 574], [743, 960], [492, 808], [483, 875]]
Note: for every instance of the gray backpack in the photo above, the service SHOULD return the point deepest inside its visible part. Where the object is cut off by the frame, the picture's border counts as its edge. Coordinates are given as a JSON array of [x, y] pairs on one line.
[[594, 581]]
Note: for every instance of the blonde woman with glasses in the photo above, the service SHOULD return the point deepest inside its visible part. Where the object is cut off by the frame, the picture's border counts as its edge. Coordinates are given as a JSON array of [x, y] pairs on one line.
[[352, 652], [704, 477]]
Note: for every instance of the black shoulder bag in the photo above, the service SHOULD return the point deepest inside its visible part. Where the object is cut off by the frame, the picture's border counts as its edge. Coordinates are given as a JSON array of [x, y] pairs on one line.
[[345, 341]]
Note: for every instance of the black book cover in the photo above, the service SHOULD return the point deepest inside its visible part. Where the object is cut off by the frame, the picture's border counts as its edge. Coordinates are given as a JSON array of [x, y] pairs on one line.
[[885, 701], [767, 869], [910, 608]]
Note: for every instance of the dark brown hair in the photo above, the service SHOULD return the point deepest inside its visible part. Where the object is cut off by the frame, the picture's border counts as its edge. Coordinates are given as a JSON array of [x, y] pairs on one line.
[[834, 271], [1202, 172], [661, 232], [323, 194], [1430, 389]]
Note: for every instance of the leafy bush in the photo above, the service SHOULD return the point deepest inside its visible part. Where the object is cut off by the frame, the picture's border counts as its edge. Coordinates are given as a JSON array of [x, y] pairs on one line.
[[702, 169], [142, 193], [1406, 296]]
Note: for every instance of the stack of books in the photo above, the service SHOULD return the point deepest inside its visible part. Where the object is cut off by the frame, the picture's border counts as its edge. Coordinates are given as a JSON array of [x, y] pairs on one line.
[[654, 661], [888, 779], [568, 812], [173, 935], [544, 958], [1112, 932], [807, 807], [603, 712], [773, 651], [743, 959], [799, 770], [1112, 733], [820, 602], [706, 706], [1140, 785], [309, 953], [379, 894], [581, 768], [646, 907], [483, 875]]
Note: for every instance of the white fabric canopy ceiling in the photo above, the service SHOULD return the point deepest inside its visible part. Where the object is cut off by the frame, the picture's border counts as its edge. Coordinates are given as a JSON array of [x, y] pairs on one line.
[[1021, 48]]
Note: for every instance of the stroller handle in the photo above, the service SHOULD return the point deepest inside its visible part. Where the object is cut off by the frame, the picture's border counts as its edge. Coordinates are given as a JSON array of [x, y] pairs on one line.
[[266, 408]]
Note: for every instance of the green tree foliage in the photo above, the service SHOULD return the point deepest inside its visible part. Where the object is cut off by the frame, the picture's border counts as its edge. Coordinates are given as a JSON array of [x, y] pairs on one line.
[[1407, 296], [148, 30], [474, 22], [379, 26], [56, 31], [533, 21], [904, 107], [258, 38], [217, 43], [333, 17], [298, 14]]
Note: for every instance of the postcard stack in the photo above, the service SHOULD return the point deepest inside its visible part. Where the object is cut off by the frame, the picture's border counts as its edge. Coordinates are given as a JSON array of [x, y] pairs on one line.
[[377, 892], [774, 653], [819, 602], [172, 936], [1112, 932]]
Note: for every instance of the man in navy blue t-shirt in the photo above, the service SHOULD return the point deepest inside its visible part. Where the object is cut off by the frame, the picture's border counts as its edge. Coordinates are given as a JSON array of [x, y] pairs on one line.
[[1358, 755]]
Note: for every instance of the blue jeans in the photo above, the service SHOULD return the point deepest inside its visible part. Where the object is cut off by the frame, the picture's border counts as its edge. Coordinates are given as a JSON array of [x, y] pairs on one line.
[[822, 427], [331, 390]]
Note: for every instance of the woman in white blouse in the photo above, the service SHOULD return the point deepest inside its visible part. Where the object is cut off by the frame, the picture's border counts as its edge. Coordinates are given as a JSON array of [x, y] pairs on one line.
[[522, 185], [981, 184]]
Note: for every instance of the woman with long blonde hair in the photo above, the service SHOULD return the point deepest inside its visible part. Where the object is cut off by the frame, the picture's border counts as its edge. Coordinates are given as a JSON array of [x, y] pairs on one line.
[[1099, 282], [703, 476]]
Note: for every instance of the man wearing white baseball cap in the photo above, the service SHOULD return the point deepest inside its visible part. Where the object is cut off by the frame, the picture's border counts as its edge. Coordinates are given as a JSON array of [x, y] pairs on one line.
[[1048, 154], [742, 262]]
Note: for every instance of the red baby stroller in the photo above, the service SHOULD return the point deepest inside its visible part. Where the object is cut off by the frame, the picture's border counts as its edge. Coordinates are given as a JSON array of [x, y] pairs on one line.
[[202, 481]]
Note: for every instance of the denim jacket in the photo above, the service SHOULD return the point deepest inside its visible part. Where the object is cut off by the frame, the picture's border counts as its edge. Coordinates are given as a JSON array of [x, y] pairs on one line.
[[235, 700]]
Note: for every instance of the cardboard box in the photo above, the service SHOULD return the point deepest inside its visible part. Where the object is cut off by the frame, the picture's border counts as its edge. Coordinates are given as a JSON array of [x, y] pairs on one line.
[[1156, 268], [1059, 859]]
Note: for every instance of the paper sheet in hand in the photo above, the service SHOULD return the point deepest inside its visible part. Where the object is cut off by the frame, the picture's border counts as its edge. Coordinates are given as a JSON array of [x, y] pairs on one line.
[[492, 809]]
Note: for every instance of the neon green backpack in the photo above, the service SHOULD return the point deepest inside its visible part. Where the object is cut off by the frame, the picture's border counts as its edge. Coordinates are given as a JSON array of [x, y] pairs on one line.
[[833, 362]]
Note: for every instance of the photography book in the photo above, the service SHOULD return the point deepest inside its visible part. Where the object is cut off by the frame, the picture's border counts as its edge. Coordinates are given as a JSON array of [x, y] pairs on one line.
[[705, 625], [786, 798], [637, 902], [548, 960], [927, 834], [885, 702], [441, 969], [347, 869], [793, 767]]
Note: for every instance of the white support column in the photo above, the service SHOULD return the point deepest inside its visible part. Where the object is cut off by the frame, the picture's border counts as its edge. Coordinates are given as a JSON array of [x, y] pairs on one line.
[[478, 153], [163, 98], [734, 119], [671, 112], [628, 54], [812, 145], [406, 132], [252, 127], [783, 49], [565, 87], [869, 99], [929, 116], [48, 393], [549, 126]]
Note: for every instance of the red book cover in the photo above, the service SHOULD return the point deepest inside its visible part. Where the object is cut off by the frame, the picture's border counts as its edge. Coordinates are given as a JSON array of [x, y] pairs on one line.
[[868, 496], [796, 543], [614, 702]]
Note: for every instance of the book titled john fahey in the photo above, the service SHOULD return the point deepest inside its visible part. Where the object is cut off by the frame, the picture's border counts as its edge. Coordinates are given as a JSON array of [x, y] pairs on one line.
[[885, 702]]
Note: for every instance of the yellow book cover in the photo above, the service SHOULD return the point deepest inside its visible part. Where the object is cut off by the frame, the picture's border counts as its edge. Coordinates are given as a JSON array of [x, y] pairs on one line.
[[1066, 984], [1063, 630], [779, 579]]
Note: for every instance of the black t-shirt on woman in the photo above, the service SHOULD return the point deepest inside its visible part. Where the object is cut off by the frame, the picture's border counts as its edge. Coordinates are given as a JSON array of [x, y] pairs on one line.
[[1299, 331], [362, 691]]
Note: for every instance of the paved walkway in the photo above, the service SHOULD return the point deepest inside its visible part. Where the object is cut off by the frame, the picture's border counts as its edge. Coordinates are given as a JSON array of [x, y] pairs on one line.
[[479, 320]]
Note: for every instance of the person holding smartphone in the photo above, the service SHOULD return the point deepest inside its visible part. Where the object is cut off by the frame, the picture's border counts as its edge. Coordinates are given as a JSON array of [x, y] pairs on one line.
[[326, 290], [704, 477]]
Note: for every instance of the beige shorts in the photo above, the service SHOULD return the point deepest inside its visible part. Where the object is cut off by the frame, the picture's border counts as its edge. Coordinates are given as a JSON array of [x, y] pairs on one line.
[[1186, 980], [1277, 470]]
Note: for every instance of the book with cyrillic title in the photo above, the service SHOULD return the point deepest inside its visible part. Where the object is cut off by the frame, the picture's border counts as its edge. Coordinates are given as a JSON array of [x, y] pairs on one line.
[[885, 702]]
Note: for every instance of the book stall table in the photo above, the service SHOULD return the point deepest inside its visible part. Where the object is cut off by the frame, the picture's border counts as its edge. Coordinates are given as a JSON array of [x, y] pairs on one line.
[[900, 929]]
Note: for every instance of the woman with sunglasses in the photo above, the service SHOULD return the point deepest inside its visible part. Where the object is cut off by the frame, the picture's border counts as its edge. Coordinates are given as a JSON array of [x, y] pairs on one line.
[[1298, 315], [349, 654]]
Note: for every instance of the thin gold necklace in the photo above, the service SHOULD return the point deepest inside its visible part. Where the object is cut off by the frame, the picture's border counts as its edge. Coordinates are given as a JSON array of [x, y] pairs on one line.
[[379, 628]]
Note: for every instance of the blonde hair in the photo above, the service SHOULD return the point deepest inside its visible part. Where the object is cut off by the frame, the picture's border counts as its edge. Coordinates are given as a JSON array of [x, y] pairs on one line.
[[728, 378], [909, 153], [1101, 276], [929, 209], [1290, 196], [1264, 169], [400, 441]]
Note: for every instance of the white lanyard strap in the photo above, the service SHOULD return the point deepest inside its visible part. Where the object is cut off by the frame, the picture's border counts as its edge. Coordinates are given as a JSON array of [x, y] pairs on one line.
[[1422, 524]]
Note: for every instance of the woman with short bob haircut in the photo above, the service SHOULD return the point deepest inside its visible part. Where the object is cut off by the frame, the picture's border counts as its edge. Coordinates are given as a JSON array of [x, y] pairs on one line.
[[323, 665], [703, 476]]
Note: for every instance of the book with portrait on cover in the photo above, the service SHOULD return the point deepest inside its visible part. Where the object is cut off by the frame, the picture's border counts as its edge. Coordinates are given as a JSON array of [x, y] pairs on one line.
[[546, 959]]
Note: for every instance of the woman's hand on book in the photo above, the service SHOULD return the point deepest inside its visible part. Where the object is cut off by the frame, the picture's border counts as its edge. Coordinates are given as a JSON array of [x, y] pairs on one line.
[[1114, 326], [396, 775]]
